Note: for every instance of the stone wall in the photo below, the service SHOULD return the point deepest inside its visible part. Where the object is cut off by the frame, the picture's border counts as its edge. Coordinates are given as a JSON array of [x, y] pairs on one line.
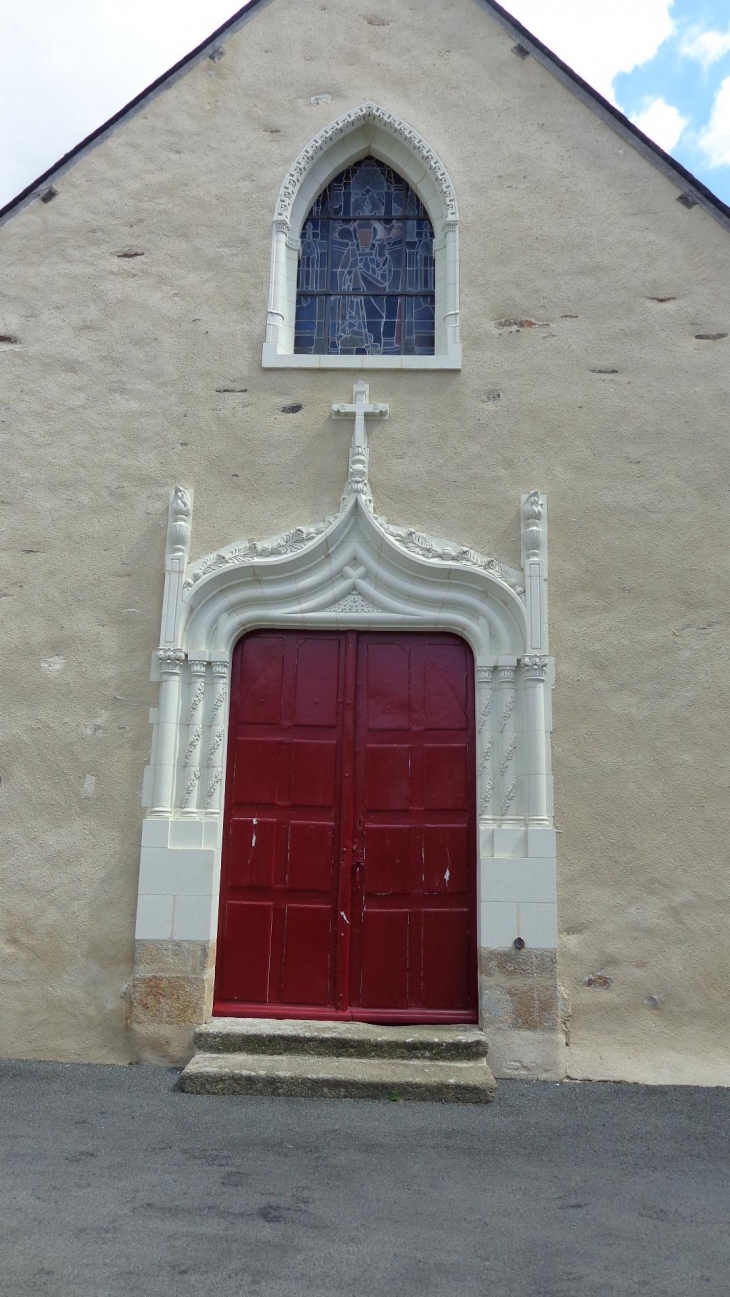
[[586, 291]]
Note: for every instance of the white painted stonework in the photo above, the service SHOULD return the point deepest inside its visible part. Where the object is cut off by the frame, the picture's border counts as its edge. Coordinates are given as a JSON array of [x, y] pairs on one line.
[[355, 569], [368, 129]]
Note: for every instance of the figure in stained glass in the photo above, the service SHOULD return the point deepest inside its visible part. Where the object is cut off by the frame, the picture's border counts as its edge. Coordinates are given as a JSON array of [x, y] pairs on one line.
[[366, 270]]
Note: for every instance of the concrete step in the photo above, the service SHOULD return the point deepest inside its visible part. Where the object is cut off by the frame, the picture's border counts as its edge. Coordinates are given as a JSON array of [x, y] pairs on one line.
[[326, 1077], [339, 1039]]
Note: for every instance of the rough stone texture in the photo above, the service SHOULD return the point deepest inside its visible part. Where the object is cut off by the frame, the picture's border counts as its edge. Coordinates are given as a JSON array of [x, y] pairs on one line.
[[114, 392], [519, 991], [169, 1000], [179, 957], [339, 1078], [156, 1042], [518, 965], [170, 993], [344, 1039], [538, 1055]]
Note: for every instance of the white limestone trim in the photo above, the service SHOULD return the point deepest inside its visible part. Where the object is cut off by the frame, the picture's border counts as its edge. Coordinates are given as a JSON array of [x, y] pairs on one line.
[[366, 129], [354, 570]]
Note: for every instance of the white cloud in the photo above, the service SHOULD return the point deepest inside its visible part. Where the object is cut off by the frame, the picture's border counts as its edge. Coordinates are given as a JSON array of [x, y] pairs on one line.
[[662, 122], [714, 140], [66, 67], [707, 47], [598, 40]]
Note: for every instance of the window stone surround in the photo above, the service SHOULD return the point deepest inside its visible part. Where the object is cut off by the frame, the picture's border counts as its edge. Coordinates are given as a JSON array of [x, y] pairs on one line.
[[367, 129]]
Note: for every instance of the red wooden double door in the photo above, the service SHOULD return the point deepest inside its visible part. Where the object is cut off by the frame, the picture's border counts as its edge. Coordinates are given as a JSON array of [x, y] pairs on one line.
[[348, 884]]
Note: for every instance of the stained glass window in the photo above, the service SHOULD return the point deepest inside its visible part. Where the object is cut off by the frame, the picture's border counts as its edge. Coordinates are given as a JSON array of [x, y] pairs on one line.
[[366, 269]]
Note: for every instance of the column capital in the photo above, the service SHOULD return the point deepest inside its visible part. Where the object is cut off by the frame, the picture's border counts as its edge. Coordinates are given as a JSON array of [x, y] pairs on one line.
[[197, 666], [485, 674], [534, 666], [220, 668], [171, 659], [507, 672]]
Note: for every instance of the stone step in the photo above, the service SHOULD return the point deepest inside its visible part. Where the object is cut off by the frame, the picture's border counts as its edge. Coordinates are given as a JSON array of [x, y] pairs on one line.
[[326, 1077], [339, 1039]]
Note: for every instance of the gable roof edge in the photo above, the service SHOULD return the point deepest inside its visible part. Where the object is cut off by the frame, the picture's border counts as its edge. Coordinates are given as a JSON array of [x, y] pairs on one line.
[[613, 117], [167, 78]]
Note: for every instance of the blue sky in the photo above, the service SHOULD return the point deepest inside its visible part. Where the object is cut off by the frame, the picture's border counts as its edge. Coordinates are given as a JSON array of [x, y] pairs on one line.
[[665, 63], [68, 65]]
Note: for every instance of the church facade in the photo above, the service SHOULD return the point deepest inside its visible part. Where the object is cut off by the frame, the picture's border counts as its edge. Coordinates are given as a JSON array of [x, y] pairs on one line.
[[366, 607]]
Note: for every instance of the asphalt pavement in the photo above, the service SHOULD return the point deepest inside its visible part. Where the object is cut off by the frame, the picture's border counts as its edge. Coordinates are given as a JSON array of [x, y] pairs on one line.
[[113, 1183]]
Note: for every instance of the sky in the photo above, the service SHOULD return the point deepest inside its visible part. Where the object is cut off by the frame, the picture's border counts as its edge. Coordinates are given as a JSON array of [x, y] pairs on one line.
[[68, 65]]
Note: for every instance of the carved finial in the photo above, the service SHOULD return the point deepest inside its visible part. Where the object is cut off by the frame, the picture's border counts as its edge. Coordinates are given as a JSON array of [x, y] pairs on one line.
[[178, 532], [533, 506], [361, 408], [532, 511]]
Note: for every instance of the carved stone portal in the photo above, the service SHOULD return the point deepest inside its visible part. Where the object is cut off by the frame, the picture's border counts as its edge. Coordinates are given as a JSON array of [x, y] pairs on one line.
[[353, 569]]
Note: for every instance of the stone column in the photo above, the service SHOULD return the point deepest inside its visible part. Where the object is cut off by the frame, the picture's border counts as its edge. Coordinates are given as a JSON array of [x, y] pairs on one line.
[[191, 767], [216, 731], [171, 661], [534, 673], [277, 322], [451, 313], [508, 738], [485, 739]]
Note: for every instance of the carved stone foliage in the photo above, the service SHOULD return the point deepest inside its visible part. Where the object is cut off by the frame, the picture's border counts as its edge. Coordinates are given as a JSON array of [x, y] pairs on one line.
[[189, 788], [195, 701], [192, 744], [534, 666], [365, 113], [485, 709], [506, 759], [213, 785], [509, 796], [171, 659], [486, 797], [353, 603], [248, 551], [414, 542], [219, 700], [417, 542]]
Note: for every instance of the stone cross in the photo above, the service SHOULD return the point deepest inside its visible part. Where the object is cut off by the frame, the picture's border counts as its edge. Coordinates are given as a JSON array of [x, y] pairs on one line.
[[360, 408]]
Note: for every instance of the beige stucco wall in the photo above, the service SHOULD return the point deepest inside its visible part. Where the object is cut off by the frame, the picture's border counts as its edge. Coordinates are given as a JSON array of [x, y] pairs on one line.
[[110, 396]]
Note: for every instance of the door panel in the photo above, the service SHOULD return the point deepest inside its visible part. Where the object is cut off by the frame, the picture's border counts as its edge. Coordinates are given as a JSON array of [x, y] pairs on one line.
[[387, 860], [348, 873], [307, 955], [280, 860], [383, 972], [445, 771], [445, 979], [310, 860], [313, 774], [253, 852], [388, 778], [414, 894], [245, 959], [315, 699]]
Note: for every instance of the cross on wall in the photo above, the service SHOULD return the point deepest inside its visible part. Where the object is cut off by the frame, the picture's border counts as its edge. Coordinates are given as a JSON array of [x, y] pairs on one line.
[[361, 408]]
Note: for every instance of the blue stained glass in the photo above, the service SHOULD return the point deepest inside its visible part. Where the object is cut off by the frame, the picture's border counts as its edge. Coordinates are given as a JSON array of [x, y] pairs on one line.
[[366, 256], [366, 269]]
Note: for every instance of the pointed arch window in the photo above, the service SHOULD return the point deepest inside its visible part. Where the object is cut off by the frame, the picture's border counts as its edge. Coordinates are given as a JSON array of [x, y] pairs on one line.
[[365, 252], [366, 276]]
